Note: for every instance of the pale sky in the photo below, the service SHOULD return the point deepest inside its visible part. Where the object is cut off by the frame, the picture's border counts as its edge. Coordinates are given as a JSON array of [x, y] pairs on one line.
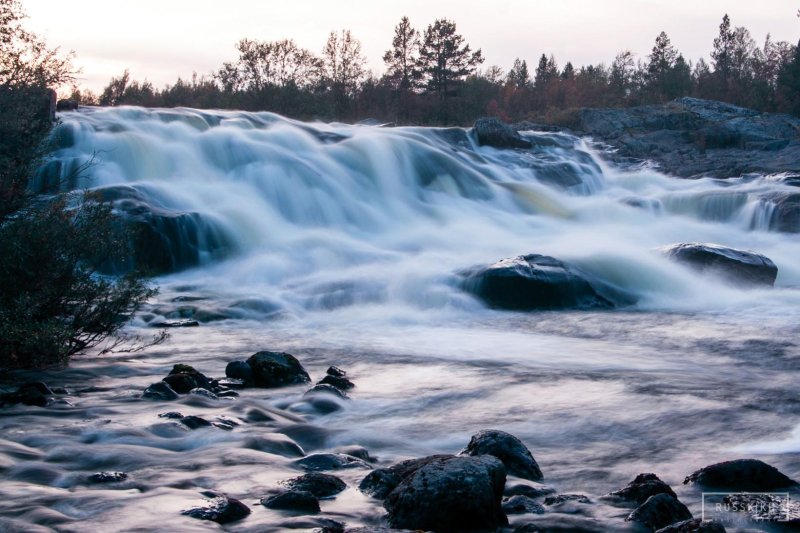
[[162, 39]]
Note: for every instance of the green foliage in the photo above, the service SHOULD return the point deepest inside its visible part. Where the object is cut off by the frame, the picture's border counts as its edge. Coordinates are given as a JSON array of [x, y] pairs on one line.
[[53, 303], [445, 59]]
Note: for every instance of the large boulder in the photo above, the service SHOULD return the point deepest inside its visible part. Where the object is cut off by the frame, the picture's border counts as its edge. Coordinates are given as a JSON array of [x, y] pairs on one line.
[[741, 475], [659, 511], [534, 282], [737, 266], [516, 457], [276, 369], [491, 131], [642, 487], [450, 495]]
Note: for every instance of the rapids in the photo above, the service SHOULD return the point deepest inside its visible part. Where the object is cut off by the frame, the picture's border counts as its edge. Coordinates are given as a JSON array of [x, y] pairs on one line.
[[340, 244]]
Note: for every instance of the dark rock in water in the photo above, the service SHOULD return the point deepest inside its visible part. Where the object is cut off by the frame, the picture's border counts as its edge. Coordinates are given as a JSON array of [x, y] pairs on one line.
[[231, 383], [240, 370], [172, 415], [228, 394], [318, 484], [205, 393], [181, 383], [330, 461], [534, 282], [492, 131], [527, 490], [33, 394], [695, 525], [450, 495], [659, 511], [356, 451], [108, 477], [325, 388], [67, 105], [194, 422], [521, 505], [275, 443], [564, 498], [336, 372], [741, 474], [160, 391], [735, 265], [690, 137], [225, 423], [308, 436], [379, 483], [175, 324], [220, 509], [642, 487], [515, 456], [293, 500], [276, 369], [786, 211], [340, 383]]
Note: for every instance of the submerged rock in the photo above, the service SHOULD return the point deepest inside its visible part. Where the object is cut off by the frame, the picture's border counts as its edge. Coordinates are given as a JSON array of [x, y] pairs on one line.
[[561, 499], [318, 484], [35, 393], [450, 495], [108, 477], [340, 382], [292, 500], [741, 474], [516, 457], [160, 391], [220, 509], [276, 369], [491, 131], [534, 282], [642, 487], [330, 461], [275, 443], [521, 505], [659, 511], [735, 265], [694, 525]]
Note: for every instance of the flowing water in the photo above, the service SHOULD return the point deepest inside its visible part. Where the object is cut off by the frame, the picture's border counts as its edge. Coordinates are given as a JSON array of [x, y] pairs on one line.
[[341, 244]]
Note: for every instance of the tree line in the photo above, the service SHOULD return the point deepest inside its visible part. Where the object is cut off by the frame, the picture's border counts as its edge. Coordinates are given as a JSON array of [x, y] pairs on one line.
[[435, 77]]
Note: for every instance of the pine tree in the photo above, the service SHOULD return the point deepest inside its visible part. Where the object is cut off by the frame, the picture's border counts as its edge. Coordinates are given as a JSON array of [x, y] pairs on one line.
[[518, 76], [402, 60], [445, 59]]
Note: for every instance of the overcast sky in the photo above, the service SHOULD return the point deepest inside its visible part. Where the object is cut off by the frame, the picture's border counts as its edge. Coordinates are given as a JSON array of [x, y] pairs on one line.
[[162, 39]]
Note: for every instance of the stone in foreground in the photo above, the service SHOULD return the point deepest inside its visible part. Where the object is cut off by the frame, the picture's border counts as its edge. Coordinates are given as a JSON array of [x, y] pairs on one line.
[[737, 266], [450, 495], [741, 474], [219, 509], [516, 457], [276, 369], [659, 511], [642, 487]]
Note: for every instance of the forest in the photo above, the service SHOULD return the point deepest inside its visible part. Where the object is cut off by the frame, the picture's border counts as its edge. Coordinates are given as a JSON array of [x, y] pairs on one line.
[[434, 77]]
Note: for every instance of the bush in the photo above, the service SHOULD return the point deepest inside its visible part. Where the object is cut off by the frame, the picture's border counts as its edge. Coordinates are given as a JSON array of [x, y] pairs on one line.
[[53, 302]]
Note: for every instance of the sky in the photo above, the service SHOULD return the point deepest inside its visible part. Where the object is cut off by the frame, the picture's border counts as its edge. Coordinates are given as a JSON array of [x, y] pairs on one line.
[[160, 40]]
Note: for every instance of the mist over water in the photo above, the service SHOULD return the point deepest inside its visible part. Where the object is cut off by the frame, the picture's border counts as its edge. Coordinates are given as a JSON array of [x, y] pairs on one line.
[[341, 244]]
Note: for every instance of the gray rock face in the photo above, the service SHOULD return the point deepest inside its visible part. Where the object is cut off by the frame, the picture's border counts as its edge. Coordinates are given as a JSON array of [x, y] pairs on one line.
[[534, 282], [642, 487], [450, 495], [691, 137], [659, 511], [493, 132], [276, 369], [741, 474], [515, 456], [739, 266]]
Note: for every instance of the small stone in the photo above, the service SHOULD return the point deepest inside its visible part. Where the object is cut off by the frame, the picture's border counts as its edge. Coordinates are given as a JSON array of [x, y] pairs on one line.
[[108, 477], [194, 422], [172, 415], [205, 393], [336, 372], [293, 500], [160, 391], [642, 487], [509, 449], [220, 509], [340, 383], [330, 461], [564, 498], [326, 389], [318, 484]]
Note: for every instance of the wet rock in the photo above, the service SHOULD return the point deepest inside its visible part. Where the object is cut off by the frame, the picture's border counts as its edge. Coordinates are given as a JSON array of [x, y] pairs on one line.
[[220, 509], [561, 499], [492, 131], [276, 369], [509, 449], [534, 282], [108, 477], [330, 461], [336, 372], [449, 495], [172, 415], [323, 399], [318, 484], [293, 500], [340, 383], [225, 423], [183, 378], [308, 436], [786, 210], [194, 422], [160, 391], [274, 443], [379, 483], [175, 324], [34, 394], [695, 525], [527, 490], [205, 393], [766, 508], [324, 388], [739, 266], [521, 505], [642, 487], [240, 370], [741, 474], [659, 511], [228, 394], [356, 451]]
